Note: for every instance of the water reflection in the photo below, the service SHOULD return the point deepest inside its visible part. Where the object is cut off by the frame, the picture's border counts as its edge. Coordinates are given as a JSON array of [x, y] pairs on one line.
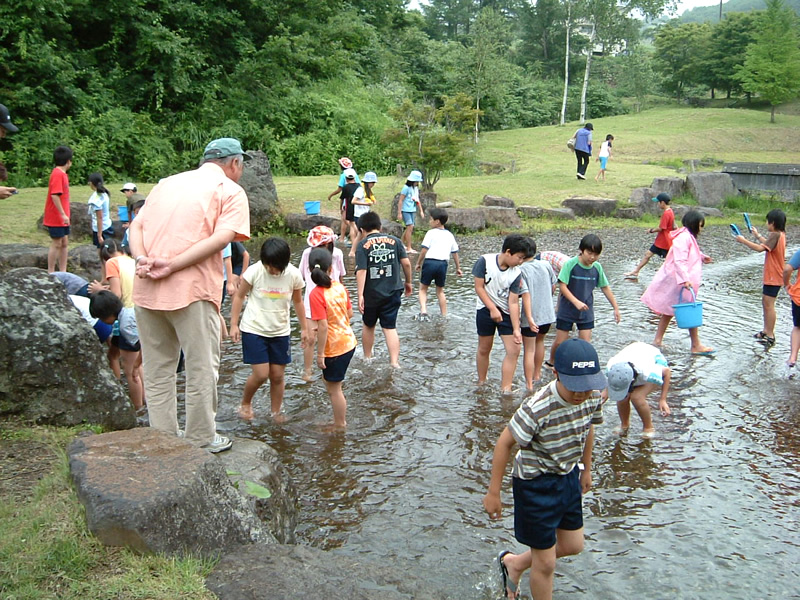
[[706, 509]]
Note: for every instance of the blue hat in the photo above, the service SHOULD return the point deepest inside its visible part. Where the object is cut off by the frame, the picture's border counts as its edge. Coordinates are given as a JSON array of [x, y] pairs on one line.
[[224, 147], [578, 366], [662, 197], [620, 378]]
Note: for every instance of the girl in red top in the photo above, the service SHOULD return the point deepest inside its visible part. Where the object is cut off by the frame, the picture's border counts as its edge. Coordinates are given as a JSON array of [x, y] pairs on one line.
[[331, 311], [775, 247]]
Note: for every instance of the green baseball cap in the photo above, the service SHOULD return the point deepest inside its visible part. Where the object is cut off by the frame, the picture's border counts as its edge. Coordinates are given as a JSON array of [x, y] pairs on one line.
[[224, 147]]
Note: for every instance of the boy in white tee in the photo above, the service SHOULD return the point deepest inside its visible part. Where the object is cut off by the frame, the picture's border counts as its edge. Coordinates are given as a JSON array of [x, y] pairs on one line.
[[437, 248]]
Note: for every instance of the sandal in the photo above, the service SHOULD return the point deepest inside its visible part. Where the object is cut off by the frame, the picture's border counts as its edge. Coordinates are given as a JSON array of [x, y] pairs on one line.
[[509, 587], [760, 335]]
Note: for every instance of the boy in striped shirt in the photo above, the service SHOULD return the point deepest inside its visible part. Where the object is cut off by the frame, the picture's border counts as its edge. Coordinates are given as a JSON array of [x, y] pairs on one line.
[[555, 433]]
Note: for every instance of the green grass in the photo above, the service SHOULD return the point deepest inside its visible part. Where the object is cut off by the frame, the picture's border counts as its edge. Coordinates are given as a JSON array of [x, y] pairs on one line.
[[647, 145], [47, 552]]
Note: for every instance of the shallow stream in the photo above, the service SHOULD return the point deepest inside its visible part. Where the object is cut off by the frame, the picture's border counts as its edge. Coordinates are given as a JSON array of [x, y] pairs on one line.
[[706, 509]]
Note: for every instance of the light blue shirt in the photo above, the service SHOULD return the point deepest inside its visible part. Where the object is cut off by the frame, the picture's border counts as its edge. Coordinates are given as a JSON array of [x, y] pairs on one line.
[[99, 202], [409, 204]]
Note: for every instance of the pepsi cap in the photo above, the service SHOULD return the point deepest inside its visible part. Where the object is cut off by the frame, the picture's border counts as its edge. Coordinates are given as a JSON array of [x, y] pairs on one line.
[[578, 366]]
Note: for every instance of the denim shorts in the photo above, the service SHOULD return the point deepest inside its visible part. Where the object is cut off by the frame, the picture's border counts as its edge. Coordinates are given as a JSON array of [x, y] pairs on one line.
[[336, 366], [565, 325], [409, 217], [58, 232], [107, 233], [544, 504], [433, 270], [386, 312], [259, 350], [486, 326]]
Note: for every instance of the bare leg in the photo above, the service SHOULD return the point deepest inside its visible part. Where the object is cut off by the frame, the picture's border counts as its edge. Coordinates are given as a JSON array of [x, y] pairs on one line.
[[393, 345], [256, 379], [62, 256], [367, 340], [308, 353], [795, 345], [585, 334], [223, 328], [694, 335], [768, 303], [663, 323], [343, 230], [529, 347], [624, 412], [635, 273], [338, 402], [113, 360], [277, 385], [485, 343], [561, 337], [639, 401], [353, 238], [409, 230], [538, 358], [509, 362], [135, 384], [423, 299], [442, 300]]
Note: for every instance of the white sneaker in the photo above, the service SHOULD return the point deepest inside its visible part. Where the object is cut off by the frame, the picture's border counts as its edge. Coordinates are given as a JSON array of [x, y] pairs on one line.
[[220, 444]]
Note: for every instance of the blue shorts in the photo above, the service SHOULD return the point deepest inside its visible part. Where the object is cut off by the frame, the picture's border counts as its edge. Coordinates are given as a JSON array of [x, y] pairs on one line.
[[107, 233], [386, 312], [659, 251], [336, 366], [58, 232], [433, 270], [795, 314], [259, 350], [486, 326], [544, 504], [603, 162], [770, 290], [528, 332], [565, 325], [409, 217]]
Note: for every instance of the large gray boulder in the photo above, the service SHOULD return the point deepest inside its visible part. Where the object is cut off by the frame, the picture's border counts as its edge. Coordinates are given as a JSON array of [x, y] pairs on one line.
[[392, 227], [559, 213], [80, 222], [706, 211], [629, 212], [466, 219], [505, 218], [277, 572], [498, 201], [52, 367], [16, 256], [530, 212], [301, 223], [156, 493], [710, 189], [643, 198], [674, 186], [590, 206], [257, 182]]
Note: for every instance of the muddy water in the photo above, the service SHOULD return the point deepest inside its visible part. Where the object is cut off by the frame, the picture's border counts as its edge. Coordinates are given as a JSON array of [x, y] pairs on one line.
[[706, 509]]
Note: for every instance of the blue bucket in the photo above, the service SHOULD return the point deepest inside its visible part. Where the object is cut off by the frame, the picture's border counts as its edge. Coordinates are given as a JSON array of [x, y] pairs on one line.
[[312, 207], [690, 314], [122, 211]]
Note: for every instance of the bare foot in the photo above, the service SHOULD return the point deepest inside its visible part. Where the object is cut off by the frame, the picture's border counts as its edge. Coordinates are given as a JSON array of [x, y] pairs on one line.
[[308, 377], [649, 433], [333, 427], [246, 412], [279, 417], [621, 431], [632, 275]]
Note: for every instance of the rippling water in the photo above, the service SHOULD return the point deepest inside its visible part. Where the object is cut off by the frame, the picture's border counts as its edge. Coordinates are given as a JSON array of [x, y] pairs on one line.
[[707, 509]]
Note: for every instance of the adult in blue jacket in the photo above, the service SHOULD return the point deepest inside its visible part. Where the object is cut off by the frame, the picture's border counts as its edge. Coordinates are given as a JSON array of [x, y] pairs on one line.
[[583, 148]]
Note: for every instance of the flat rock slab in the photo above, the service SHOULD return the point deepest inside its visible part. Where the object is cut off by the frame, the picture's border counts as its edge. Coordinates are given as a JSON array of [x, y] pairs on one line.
[[530, 212], [498, 201], [586, 206], [706, 211], [468, 219], [154, 492], [277, 572], [559, 213]]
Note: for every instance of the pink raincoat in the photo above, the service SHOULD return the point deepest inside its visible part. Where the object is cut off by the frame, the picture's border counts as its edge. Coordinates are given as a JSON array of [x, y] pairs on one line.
[[684, 262]]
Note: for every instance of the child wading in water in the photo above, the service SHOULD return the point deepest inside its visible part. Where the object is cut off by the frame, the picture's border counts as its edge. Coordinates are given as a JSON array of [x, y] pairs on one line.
[[265, 333], [331, 311], [663, 240], [775, 247], [407, 207], [437, 248], [604, 157]]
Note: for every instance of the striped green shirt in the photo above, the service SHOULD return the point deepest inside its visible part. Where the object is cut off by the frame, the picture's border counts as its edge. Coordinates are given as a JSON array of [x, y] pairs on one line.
[[551, 433]]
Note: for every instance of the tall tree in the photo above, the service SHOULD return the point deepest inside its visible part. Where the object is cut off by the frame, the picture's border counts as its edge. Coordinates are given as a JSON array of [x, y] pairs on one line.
[[679, 55], [771, 66], [729, 41]]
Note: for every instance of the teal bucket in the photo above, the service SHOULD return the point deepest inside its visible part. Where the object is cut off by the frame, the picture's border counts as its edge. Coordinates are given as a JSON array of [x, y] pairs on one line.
[[690, 314], [312, 207], [122, 211]]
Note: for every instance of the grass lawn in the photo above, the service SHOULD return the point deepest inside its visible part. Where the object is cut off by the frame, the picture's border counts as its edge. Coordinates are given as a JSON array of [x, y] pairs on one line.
[[646, 145]]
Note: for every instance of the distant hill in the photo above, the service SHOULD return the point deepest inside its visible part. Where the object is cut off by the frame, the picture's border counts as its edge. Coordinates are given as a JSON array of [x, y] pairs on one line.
[[702, 14]]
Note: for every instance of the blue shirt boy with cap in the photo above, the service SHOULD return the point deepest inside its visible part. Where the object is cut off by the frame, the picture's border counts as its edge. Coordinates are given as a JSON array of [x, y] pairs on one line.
[[555, 433]]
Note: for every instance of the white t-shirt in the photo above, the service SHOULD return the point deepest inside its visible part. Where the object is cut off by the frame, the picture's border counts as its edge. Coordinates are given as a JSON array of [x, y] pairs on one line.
[[440, 244], [499, 283], [268, 305], [605, 150], [99, 202], [646, 359], [359, 209]]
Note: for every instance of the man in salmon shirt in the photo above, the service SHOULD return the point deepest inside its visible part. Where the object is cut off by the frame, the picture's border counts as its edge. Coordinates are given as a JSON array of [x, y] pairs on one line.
[[663, 241], [177, 240]]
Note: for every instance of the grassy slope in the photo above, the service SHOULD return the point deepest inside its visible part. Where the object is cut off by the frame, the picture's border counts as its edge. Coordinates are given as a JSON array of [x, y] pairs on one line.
[[544, 167]]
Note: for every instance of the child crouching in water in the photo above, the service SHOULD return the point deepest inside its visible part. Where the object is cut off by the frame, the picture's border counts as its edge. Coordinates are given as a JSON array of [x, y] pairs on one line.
[[331, 311], [273, 285]]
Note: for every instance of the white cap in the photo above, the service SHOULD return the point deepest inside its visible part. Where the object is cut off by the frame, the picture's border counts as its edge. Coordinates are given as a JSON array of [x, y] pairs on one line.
[[129, 187], [349, 173]]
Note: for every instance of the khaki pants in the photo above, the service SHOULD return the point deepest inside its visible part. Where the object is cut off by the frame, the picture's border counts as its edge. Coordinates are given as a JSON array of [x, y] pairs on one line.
[[163, 333]]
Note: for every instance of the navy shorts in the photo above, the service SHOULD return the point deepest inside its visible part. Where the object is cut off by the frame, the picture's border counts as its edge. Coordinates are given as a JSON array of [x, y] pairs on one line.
[[486, 326], [121, 343], [564, 325], [659, 251], [433, 270], [259, 350], [386, 312], [771, 290], [409, 217], [795, 314], [544, 504], [336, 366], [528, 332], [58, 232], [107, 233]]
